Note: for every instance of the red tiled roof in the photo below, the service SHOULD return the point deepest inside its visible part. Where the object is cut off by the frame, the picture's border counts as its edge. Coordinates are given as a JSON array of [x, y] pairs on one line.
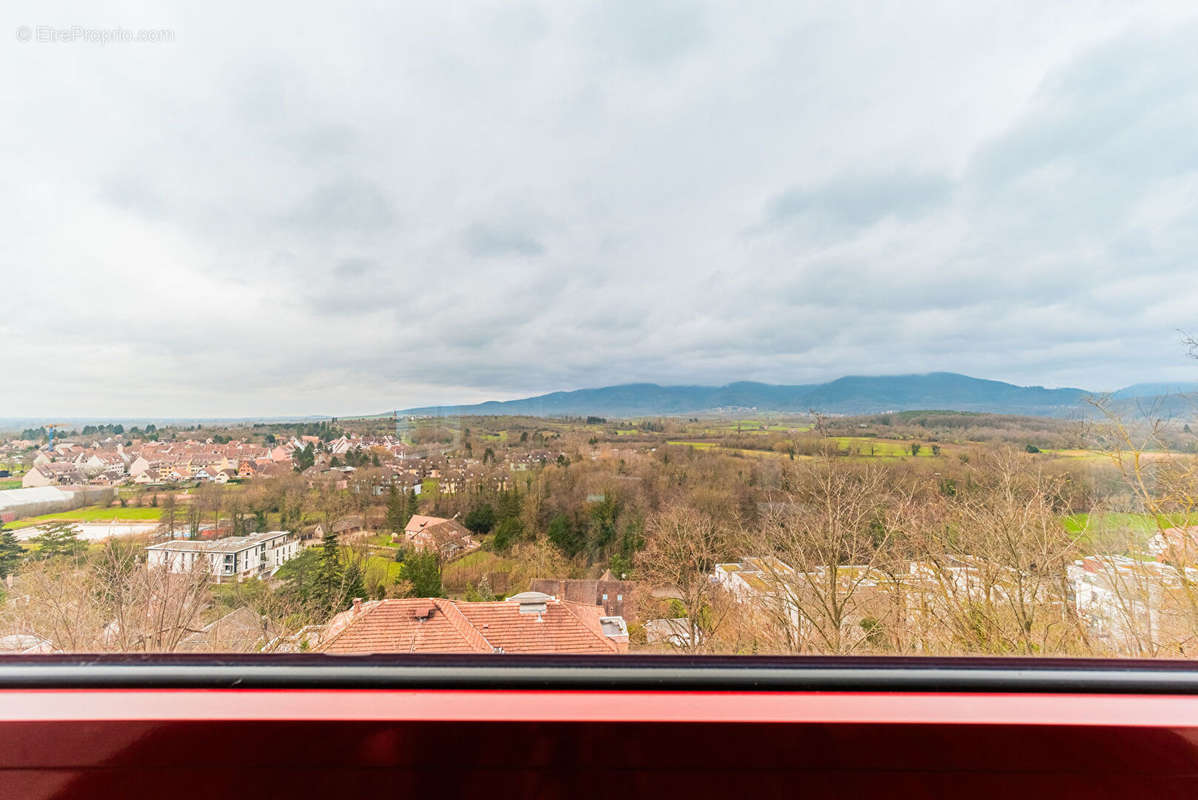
[[419, 522], [396, 626], [405, 626], [563, 628]]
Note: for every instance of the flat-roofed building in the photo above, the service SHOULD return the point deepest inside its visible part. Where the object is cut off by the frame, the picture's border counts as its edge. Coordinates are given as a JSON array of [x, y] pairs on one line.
[[231, 557]]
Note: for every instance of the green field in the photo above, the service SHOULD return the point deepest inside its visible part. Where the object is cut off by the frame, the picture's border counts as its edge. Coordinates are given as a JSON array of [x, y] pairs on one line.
[[377, 564], [1114, 529], [10, 483], [880, 448], [469, 569], [1110, 520], [95, 514], [696, 445], [1077, 454]]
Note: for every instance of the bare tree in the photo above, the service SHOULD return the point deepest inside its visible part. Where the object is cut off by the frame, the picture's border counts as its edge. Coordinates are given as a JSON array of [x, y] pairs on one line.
[[826, 549], [113, 602], [682, 550], [169, 515], [1164, 485], [149, 608], [996, 561]]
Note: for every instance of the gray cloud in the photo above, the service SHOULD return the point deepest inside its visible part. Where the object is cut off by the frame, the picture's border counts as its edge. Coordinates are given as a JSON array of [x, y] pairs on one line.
[[860, 200], [345, 206], [486, 241], [347, 213]]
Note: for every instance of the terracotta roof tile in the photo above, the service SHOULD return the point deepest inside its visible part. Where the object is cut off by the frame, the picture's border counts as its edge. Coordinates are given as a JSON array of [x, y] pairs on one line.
[[563, 628], [406, 626]]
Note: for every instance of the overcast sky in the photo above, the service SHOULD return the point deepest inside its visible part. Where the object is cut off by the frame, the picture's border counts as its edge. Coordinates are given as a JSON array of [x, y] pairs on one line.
[[298, 207]]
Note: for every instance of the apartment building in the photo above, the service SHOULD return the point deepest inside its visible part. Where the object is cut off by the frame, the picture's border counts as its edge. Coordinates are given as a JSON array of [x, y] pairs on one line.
[[232, 557]]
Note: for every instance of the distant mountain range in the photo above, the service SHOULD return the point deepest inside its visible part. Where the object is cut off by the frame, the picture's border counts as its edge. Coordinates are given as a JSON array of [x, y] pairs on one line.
[[850, 395]]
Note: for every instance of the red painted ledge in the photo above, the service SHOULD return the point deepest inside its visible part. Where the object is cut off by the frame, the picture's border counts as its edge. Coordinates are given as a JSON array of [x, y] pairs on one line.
[[49, 705]]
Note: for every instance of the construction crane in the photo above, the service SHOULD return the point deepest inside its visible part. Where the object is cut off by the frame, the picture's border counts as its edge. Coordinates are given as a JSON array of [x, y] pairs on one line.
[[50, 429]]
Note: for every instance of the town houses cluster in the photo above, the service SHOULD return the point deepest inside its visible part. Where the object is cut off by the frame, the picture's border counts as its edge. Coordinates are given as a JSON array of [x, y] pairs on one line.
[[116, 461], [154, 462]]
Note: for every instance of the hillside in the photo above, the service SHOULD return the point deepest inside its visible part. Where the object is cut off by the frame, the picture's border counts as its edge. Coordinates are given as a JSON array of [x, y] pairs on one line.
[[849, 395]]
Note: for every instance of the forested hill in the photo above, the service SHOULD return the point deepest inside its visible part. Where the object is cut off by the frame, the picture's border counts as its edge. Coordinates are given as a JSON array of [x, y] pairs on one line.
[[849, 395]]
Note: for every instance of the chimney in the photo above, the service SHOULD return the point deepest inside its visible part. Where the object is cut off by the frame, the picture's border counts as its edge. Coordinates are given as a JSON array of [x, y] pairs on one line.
[[532, 603], [357, 605]]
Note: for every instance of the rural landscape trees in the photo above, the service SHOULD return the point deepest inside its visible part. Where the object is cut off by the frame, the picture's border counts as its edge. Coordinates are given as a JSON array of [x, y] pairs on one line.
[[906, 533]]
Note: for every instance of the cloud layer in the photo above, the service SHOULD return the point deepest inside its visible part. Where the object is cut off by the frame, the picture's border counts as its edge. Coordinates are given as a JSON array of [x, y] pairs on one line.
[[295, 208]]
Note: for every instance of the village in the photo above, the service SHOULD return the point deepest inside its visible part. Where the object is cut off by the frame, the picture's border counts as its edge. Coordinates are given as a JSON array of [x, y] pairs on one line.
[[568, 524]]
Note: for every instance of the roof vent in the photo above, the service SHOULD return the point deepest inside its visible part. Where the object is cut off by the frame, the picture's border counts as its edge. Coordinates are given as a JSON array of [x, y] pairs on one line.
[[614, 627], [532, 602]]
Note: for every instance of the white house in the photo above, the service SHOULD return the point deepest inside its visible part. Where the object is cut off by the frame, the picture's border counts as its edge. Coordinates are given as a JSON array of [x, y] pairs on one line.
[[1132, 604], [232, 557]]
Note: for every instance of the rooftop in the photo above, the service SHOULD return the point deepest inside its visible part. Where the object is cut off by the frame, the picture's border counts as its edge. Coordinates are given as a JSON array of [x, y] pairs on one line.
[[230, 544], [527, 623]]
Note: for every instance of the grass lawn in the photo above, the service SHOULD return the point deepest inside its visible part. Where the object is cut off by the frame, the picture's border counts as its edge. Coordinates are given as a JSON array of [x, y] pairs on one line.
[[469, 569], [1091, 529], [10, 483], [480, 558], [95, 514], [377, 564]]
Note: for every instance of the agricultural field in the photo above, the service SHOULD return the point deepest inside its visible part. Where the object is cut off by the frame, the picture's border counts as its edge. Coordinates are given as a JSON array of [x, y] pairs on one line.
[[94, 514], [882, 448], [1077, 454], [695, 445]]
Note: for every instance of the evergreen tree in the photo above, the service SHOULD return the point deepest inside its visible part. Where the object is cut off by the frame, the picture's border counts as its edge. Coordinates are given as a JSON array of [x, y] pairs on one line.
[[11, 552], [355, 584], [413, 506], [565, 535], [423, 571], [480, 519], [509, 504], [305, 458], [58, 539], [330, 575], [602, 527], [396, 506], [507, 532]]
